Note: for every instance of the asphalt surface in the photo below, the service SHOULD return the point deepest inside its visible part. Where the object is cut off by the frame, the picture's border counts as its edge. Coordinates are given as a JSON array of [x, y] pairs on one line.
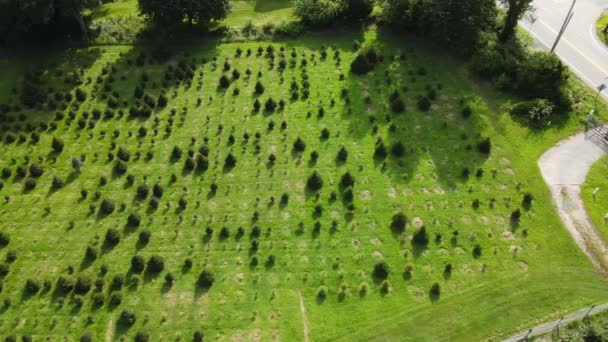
[[579, 48]]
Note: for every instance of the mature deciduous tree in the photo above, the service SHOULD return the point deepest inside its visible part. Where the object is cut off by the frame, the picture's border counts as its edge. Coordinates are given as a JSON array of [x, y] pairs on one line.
[[516, 9]]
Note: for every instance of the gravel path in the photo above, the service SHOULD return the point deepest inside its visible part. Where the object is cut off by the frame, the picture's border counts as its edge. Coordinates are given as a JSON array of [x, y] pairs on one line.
[[564, 168]]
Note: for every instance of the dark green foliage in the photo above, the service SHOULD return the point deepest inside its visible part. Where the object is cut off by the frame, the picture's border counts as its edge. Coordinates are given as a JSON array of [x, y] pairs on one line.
[[57, 145], [347, 180], [259, 88], [257, 105], [115, 299], [90, 253], [380, 151], [477, 251], [64, 285], [421, 237], [397, 105], [112, 237], [32, 286], [142, 191], [515, 215], [57, 183], [424, 104], [398, 150], [138, 264], [4, 269], [381, 270], [142, 337], [36, 170], [127, 318], [299, 145], [435, 290], [398, 223], [230, 161], [484, 146], [5, 239], [30, 184], [314, 182], [527, 200], [205, 279], [197, 336], [454, 23], [107, 207], [83, 284], [342, 155], [224, 82], [361, 65], [270, 105], [144, 237], [156, 264], [133, 220]]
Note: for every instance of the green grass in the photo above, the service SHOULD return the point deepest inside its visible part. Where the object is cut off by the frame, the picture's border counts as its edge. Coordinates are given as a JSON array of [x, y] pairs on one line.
[[602, 21], [525, 274], [260, 12], [596, 205]]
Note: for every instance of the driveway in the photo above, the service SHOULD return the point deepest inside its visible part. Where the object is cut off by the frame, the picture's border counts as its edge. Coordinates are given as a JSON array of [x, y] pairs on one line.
[[579, 47]]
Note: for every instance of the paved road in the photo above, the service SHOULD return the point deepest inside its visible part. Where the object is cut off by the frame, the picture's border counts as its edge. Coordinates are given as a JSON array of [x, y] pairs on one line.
[[579, 47], [549, 327], [564, 168]]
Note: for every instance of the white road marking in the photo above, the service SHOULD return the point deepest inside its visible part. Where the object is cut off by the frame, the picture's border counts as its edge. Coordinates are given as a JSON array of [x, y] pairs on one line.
[[596, 40]]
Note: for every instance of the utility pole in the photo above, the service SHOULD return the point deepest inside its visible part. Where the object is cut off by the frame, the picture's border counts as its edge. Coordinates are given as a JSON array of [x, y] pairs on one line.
[[564, 25]]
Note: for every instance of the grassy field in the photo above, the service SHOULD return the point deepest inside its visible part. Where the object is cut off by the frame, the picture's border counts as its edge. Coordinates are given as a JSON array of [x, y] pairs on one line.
[[601, 25], [505, 276], [596, 205]]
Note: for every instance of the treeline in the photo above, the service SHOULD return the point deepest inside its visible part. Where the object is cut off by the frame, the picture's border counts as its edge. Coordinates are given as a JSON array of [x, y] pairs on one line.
[[28, 22]]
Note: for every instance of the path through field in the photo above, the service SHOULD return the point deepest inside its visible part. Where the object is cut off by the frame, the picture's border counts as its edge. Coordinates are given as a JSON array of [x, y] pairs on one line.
[[304, 319], [564, 168]]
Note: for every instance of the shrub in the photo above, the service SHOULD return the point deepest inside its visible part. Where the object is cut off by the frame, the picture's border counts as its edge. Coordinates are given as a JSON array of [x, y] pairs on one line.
[[515, 215], [397, 105], [381, 270], [259, 88], [112, 237], [57, 145], [224, 82], [342, 155], [30, 184], [527, 200], [435, 290], [81, 95], [270, 105], [380, 151], [348, 195], [115, 299], [361, 65], [466, 111], [314, 182], [162, 100], [156, 264], [4, 269], [398, 150], [424, 104], [322, 293], [144, 237], [5, 239], [385, 286], [398, 223], [64, 285], [257, 105], [230, 161], [142, 191], [197, 336], [57, 183], [83, 285], [32, 286], [142, 337], [205, 279], [538, 112], [485, 146], [347, 180], [127, 318], [477, 251], [157, 190], [90, 253], [133, 220], [299, 145], [421, 237], [36, 170], [138, 264], [107, 207]]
